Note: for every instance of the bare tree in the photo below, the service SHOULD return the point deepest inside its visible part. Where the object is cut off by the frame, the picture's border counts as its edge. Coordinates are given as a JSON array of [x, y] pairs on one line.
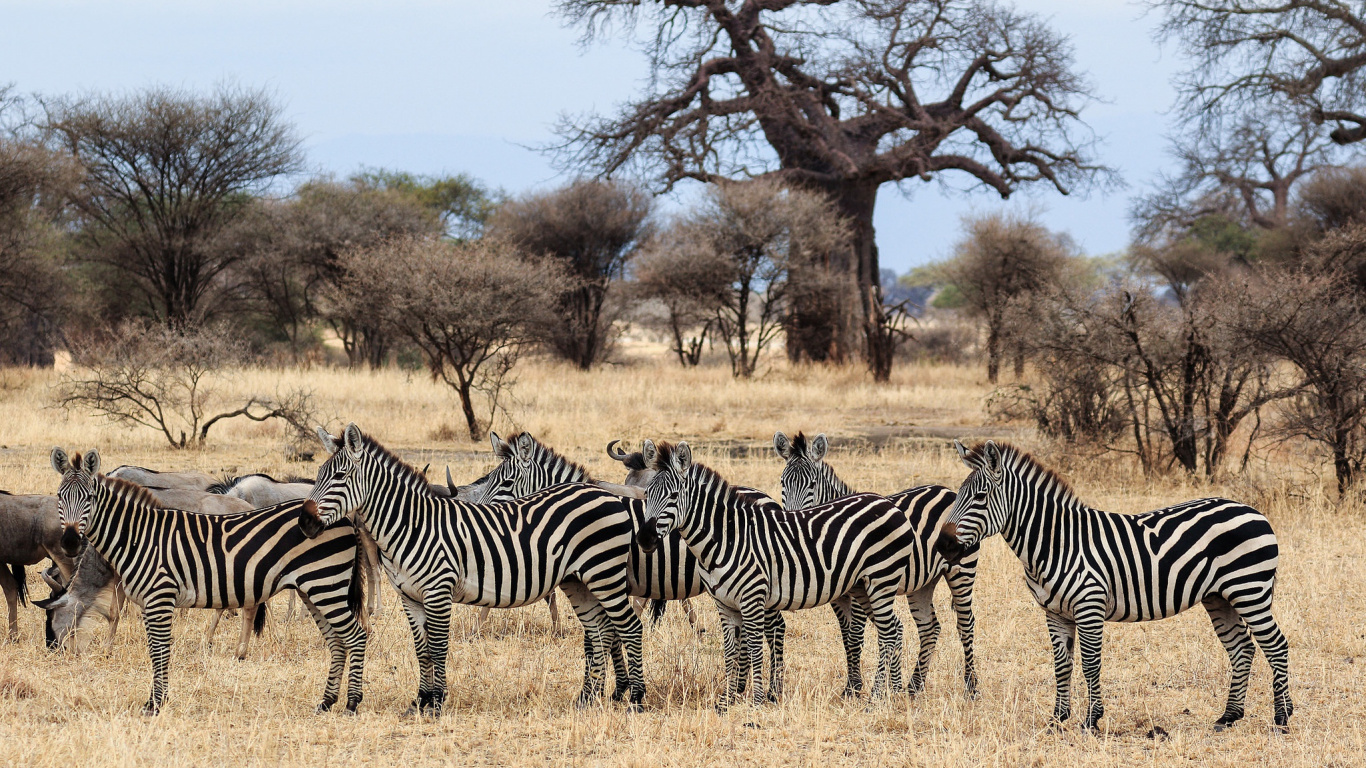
[[163, 172], [167, 380], [594, 228], [1247, 172], [472, 308], [759, 231], [841, 100], [1333, 198], [690, 283], [294, 247], [1248, 55], [1316, 322], [1001, 260]]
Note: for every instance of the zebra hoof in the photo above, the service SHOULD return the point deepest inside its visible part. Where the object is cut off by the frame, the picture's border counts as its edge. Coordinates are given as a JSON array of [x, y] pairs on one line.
[[1221, 726], [851, 692], [634, 708], [150, 710], [620, 694]]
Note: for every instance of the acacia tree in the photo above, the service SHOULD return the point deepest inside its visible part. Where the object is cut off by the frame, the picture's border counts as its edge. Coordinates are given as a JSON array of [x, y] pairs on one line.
[[689, 282], [1249, 54], [472, 308], [162, 173], [593, 228], [841, 100], [1002, 260]]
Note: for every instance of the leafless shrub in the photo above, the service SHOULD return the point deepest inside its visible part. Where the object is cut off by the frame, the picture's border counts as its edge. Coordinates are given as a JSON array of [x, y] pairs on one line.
[[690, 283], [166, 379], [594, 229], [472, 308]]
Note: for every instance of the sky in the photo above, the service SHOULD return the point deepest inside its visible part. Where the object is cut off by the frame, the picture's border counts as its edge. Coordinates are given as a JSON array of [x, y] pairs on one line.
[[475, 86]]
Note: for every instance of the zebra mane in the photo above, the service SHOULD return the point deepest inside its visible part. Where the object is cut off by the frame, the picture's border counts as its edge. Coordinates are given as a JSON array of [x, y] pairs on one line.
[[129, 490], [708, 476], [406, 472], [554, 461], [799, 444], [1020, 458]]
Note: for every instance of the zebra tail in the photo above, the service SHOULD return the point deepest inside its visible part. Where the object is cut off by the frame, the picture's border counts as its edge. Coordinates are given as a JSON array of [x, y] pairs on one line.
[[258, 624], [21, 578], [355, 594], [657, 608]]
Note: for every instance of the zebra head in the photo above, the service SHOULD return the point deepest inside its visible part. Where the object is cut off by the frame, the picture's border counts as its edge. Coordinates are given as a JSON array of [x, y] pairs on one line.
[[521, 470], [341, 487], [805, 478], [979, 510], [76, 495], [666, 494]]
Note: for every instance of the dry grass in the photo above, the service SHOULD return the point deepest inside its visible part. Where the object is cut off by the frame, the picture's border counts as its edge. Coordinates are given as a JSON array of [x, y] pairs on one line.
[[511, 686]]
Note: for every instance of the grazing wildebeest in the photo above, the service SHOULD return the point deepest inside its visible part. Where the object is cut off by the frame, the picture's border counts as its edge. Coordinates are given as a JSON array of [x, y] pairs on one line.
[[191, 481], [29, 531]]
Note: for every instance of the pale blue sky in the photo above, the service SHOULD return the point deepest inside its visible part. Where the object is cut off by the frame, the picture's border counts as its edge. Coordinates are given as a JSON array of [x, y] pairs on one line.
[[465, 85]]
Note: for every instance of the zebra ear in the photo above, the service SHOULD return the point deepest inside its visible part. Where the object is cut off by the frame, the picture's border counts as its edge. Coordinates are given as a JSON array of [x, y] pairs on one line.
[[782, 445], [500, 447], [818, 447], [92, 462], [650, 453], [967, 456], [329, 442], [524, 446], [60, 461], [682, 459], [352, 438], [991, 457]]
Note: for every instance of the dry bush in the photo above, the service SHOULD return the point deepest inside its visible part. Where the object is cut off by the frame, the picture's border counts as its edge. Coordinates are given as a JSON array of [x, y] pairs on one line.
[[167, 380], [594, 229], [472, 308]]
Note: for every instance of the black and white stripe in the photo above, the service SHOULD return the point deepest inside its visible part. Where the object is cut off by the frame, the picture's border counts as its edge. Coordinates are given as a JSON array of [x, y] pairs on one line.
[[170, 559], [760, 560], [1086, 567], [439, 550], [808, 481]]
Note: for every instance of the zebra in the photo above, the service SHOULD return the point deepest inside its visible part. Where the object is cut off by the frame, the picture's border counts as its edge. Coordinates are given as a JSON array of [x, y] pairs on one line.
[[808, 481], [169, 558], [436, 550], [527, 465], [1086, 567], [760, 560]]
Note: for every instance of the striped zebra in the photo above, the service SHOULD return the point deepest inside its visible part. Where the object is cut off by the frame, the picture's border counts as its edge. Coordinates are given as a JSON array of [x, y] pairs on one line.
[[438, 550], [808, 481], [1086, 567], [760, 560], [527, 465], [169, 558]]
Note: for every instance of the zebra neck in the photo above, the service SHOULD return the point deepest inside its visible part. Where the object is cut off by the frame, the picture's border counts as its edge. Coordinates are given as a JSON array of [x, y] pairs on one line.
[[838, 489], [388, 513], [703, 525], [111, 513], [1033, 513]]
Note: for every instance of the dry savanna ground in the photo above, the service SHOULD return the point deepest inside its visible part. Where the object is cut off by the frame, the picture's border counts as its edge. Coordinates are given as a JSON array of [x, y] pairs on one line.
[[511, 685]]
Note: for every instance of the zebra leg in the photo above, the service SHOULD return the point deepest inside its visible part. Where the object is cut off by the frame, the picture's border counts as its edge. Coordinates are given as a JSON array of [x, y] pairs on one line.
[[1232, 632], [626, 631], [776, 630], [960, 582], [417, 622], [156, 614], [921, 603], [438, 608], [1062, 633], [851, 618], [752, 623], [881, 606], [336, 653], [1090, 628], [596, 640], [1269, 638], [732, 630]]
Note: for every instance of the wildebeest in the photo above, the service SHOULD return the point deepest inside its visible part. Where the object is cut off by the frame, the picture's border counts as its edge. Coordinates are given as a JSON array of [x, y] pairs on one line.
[[29, 531], [191, 481]]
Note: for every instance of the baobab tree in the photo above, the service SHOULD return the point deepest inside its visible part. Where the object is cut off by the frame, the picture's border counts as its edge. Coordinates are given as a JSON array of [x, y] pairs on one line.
[[841, 100]]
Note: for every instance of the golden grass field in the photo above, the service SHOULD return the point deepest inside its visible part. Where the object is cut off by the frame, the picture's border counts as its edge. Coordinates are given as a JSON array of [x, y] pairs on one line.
[[512, 684]]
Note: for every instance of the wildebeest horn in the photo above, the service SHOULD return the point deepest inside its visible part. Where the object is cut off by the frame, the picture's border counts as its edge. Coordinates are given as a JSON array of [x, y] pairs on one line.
[[450, 482], [620, 455], [51, 580], [424, 469]]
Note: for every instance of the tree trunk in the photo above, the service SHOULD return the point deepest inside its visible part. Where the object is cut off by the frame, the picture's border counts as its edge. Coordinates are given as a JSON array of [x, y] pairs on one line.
[[993, 350], [467, 405]]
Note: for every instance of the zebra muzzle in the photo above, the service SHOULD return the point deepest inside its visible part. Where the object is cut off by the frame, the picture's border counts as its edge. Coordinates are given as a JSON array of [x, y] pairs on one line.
[[71, 541], [310, 522], [948, 545]]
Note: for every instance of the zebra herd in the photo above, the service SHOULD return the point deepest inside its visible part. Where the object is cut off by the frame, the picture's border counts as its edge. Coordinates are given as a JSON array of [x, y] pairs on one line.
[[538, 522]]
